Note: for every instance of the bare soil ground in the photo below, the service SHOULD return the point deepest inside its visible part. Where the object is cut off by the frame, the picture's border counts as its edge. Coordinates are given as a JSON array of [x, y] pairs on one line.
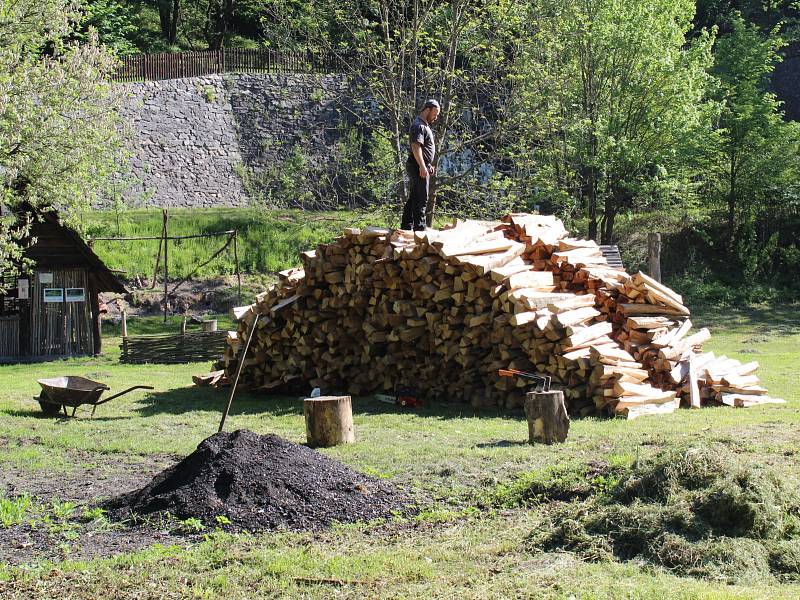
[[255, 482], [92, 478]]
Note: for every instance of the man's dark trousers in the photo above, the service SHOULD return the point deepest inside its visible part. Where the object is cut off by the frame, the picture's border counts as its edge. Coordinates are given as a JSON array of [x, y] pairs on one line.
[[417, 203]]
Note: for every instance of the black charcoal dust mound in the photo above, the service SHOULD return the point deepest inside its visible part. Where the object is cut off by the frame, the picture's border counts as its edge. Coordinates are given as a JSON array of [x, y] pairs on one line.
[[262, 482]]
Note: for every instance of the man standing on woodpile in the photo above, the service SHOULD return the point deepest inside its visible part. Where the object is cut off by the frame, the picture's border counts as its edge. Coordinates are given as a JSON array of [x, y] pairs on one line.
[[420, 167]]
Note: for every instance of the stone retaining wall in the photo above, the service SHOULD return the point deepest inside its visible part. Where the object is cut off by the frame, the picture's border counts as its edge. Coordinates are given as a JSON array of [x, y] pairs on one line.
[[192, 138]]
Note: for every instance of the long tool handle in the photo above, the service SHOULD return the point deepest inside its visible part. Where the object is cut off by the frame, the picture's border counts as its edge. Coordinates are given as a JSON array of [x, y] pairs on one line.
[[512, 372], [130, 389], [238, 372]]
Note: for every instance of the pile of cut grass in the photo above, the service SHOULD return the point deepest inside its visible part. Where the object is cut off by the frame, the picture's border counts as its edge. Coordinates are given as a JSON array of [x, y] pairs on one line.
[[696, 512]]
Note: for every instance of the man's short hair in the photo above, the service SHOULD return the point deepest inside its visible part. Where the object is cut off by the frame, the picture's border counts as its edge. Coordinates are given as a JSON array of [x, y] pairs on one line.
[[431, 103]]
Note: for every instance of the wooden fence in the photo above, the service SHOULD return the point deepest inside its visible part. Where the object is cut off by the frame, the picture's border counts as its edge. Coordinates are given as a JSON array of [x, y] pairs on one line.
[[153, 67], [173, 348]]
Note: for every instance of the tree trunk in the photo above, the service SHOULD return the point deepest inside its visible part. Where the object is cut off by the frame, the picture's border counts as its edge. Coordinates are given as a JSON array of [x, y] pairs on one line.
[[589, 193], [654, 255], [609, 214], [165, 17], [219, 19], [731, 206], [547, 417], [329, 421], [173, 27], [402, 188]]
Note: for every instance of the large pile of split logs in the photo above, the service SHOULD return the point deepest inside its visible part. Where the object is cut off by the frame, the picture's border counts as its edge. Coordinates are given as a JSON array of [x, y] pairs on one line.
[[443, 311]]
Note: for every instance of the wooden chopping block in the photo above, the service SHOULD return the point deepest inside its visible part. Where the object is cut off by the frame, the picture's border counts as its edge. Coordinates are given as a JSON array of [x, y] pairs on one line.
[[548, 421], [329, 421]]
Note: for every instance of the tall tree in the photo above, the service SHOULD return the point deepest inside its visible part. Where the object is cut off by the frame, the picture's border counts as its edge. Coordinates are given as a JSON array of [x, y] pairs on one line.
[[610, 92], [113, 23], [59, 141], [757, 163], [169, 15], [404, 51]]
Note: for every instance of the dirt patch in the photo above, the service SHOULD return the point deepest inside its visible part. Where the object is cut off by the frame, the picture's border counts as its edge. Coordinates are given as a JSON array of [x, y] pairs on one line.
[[33, 543], [262, 482], [44, 535], [104, 478], [696, 512], [195, 297]]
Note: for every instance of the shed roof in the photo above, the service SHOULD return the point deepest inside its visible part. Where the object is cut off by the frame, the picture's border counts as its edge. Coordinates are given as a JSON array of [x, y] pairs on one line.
[[58, 246]]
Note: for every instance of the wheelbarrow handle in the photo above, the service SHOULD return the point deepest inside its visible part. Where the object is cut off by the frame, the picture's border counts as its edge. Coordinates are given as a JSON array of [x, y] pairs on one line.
[[130, 389]]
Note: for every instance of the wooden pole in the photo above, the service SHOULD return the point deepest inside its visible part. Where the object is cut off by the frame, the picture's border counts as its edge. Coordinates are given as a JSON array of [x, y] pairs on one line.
[[236, 262], [654, 255], [242, 357], [158, 258], [329, 421], [547, 417], [166, 263], [124, 323]]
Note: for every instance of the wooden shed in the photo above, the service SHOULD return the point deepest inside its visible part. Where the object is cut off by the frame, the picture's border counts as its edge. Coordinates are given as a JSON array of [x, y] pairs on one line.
[[53, 310]]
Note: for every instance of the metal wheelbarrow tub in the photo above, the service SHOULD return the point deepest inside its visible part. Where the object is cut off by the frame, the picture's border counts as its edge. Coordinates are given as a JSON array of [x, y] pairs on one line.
[[73, 391]]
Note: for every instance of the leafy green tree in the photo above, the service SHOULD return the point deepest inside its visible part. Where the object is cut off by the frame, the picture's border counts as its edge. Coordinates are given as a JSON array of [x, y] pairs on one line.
[[113, 23], [756, 166], [402, 52], [765, 15], [59, 140], [610, 99]]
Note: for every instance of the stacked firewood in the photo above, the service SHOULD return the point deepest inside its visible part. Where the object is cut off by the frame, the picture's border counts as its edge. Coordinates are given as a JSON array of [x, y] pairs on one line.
[[443, 311]]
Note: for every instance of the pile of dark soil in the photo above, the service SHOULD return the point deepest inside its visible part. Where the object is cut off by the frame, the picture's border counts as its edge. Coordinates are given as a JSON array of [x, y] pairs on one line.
[[262, 482], [696, 512]]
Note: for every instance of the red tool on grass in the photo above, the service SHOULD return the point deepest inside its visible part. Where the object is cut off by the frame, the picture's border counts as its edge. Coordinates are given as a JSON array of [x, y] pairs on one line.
[[405, 395]]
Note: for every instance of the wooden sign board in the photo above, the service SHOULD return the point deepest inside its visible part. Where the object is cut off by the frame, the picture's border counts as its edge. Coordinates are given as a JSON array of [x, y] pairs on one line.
[[23, 289]]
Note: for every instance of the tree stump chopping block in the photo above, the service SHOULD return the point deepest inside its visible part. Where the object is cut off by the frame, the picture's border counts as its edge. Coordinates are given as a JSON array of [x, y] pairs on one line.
[[329, 421], [548, 421]]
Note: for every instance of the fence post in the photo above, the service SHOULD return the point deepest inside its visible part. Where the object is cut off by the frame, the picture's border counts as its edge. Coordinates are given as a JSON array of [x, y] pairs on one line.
[[654, 255]]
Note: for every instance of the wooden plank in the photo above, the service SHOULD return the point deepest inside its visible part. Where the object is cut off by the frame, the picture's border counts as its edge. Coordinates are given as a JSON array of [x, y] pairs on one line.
[[588, 335], [634, 389], [572, 303], [664, 291], [748, 400], [573, 317], [649, 309], [516, 265], [673, 335], [530, 279], [523, 318], [694, 388], [634, 412]]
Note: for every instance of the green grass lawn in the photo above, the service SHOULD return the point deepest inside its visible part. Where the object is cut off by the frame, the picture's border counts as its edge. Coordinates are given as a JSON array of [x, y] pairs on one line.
[[450, 454], [267, 241]]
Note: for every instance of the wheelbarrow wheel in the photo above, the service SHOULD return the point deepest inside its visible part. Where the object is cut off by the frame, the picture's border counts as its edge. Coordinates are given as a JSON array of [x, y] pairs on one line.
[[49, 408]]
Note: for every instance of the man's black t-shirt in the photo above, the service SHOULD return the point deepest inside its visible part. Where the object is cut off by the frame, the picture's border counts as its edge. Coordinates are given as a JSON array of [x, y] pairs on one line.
[[422, 134]]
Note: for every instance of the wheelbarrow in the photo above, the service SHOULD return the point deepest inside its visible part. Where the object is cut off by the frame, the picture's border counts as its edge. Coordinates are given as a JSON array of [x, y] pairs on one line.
[[72, 391]]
